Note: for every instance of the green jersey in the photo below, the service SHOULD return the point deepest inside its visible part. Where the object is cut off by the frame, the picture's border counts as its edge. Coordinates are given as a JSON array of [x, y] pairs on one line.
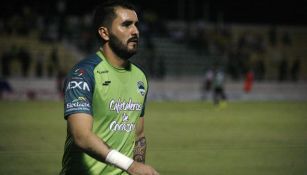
[[115, 99]]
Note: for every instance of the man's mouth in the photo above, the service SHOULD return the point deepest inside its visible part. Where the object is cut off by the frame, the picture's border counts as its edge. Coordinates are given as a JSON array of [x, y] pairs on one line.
[[134, 40]]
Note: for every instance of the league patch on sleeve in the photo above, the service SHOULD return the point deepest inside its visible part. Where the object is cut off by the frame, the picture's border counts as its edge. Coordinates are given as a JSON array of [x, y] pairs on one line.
[[78, 104], [79, 72]]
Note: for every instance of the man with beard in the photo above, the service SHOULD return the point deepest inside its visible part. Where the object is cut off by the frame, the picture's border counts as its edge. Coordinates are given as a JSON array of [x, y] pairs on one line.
[[104, 101]]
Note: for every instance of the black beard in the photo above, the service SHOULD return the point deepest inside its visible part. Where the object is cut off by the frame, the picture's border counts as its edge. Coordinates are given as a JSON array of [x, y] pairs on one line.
[[120, 49]]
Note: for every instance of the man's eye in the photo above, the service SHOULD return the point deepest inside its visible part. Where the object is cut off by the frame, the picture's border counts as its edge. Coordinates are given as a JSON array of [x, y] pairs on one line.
[[126, 24]]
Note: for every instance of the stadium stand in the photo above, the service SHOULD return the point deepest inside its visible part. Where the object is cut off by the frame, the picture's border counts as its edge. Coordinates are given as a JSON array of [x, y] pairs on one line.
[[175, 59]]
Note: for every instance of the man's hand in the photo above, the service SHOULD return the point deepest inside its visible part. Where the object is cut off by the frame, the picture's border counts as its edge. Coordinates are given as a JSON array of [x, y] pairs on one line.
[[141, 169]]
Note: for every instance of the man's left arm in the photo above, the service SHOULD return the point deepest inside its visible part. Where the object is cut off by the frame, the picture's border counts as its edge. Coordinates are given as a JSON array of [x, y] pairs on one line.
[[140, 143]]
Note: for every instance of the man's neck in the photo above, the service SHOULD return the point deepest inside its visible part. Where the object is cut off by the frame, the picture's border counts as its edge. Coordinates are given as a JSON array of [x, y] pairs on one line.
[[112, 58]]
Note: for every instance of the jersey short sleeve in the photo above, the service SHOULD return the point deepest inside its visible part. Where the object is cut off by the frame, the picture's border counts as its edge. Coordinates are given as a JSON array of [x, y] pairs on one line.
[[144, 104], [78, 90], [146, 87]]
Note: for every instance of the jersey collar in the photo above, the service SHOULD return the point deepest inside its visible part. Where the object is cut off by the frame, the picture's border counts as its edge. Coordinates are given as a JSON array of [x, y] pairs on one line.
[[100, 54]]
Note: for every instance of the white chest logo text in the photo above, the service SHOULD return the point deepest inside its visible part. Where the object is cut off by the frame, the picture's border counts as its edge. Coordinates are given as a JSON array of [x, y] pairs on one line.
[[121, 105], [118, 105]]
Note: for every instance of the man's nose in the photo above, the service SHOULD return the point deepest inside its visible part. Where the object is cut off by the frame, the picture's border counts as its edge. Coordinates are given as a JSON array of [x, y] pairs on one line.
[[135, 31]]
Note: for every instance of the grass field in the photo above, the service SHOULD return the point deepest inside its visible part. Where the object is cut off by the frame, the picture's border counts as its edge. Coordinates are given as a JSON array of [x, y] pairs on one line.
[[185, 138]]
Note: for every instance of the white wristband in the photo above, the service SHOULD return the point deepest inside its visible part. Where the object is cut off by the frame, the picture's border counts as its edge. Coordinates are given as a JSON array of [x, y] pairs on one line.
[[118, 159]]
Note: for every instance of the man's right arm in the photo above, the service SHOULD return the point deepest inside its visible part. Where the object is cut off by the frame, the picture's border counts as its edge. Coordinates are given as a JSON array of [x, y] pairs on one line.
[[80, 127]]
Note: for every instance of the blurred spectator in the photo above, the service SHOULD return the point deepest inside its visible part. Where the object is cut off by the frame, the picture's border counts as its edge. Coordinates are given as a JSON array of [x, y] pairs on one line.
[[248, 82], [286, 39], [60, 82], [4, 87], [49, 31], [207, 83], [283, 70], [295, 69], [259, 45], [6, 58], [272, 35], [233, 65], [53, 62], [25, 60], [260, 70], [40, 57]]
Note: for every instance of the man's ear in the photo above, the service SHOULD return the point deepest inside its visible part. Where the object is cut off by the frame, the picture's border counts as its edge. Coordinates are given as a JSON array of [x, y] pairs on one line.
[[104, 33]]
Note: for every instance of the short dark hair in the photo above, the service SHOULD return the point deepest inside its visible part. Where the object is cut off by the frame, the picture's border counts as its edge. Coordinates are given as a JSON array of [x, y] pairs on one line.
[[105, 13]]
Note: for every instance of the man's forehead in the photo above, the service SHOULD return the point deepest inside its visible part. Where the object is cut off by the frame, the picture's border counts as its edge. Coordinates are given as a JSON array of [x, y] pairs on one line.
[[124, 14]]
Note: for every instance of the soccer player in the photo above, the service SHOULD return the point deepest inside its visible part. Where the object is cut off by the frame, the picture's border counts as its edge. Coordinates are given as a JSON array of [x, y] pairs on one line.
[[104, 101], [218, 87]]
